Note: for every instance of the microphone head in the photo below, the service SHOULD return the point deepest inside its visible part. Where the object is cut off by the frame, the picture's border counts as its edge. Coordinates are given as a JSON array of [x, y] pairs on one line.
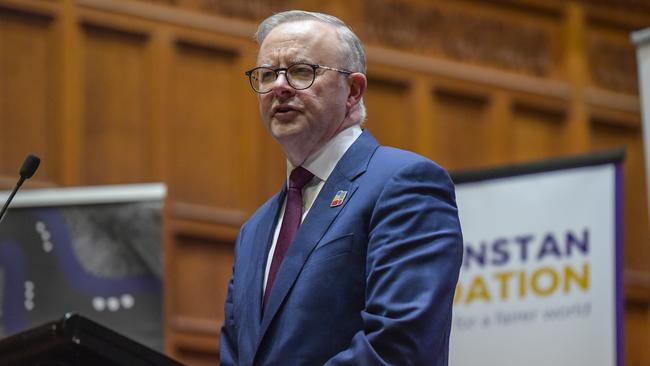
[[29, 166]]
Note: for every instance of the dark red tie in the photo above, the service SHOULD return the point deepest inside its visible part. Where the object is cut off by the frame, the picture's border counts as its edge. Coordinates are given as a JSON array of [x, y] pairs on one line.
[[290, 223]]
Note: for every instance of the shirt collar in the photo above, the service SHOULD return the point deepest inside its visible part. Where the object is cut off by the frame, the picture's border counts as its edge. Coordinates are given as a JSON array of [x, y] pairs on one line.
[[323, 161]]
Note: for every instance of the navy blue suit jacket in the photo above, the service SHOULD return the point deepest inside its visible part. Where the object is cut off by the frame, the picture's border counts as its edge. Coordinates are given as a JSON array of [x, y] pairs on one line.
[[369, 282]]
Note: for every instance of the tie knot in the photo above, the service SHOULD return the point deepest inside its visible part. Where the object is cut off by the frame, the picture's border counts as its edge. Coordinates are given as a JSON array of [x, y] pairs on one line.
[[299, 177]]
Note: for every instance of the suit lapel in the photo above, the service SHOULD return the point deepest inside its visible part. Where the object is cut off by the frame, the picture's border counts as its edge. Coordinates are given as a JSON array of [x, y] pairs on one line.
[[318, 221], [261, 242]]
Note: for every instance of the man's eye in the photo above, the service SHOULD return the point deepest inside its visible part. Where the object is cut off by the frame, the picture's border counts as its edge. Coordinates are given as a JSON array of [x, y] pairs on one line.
[[301, 71], [266, 75]]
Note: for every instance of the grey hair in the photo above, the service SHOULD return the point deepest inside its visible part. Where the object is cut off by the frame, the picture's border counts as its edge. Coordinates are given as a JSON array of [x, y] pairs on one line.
[[351, 44]]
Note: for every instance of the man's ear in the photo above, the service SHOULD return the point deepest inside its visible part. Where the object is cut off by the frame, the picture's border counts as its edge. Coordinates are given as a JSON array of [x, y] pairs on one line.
[[358, 84]]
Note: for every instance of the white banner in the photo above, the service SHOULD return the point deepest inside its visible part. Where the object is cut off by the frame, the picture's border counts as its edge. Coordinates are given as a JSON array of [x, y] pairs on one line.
[[538, 284]]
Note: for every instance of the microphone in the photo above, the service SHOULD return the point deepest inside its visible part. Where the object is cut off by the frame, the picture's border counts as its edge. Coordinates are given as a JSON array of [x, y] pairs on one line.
[[27, 170]]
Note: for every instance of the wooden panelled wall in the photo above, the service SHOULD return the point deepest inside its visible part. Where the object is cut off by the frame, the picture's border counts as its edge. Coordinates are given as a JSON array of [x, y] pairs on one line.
[[136, 91]]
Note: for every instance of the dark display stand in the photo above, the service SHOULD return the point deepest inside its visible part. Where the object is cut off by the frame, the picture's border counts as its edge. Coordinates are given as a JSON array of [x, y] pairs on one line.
[[75, 340]]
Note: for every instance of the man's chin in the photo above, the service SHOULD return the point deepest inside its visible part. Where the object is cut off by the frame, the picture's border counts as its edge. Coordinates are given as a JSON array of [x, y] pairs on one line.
[[286, 129]]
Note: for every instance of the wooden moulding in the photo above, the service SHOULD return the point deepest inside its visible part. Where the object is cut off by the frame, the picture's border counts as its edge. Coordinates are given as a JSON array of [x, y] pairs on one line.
[[469, 96], [549, 109], [195, 343], [471, 73], [207, 214], [192, 325], [9, 183], [225, 51], [614, 118], [612, 100], [193, 348], [175, 16], [31, 7], [637, 287], [95, 19]]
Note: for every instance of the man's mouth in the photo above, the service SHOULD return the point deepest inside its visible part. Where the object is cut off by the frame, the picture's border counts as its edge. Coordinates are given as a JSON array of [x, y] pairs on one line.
[[283, 110]]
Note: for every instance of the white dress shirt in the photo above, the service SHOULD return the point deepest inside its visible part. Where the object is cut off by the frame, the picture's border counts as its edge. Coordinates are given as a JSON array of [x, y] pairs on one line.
[[320, 164]]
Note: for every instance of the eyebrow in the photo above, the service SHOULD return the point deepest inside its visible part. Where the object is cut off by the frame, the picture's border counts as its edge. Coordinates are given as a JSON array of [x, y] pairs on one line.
[[293, 62], [302, 61]]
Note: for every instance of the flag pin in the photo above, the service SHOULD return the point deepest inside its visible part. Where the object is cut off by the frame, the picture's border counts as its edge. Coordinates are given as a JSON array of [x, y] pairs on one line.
[[338, 198]]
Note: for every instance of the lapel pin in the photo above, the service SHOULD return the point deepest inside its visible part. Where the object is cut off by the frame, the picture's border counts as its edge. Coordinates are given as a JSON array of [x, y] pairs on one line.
[[338, 198]]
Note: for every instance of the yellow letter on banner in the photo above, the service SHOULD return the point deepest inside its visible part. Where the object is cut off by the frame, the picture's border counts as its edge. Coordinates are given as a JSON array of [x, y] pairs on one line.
[[478, 290]]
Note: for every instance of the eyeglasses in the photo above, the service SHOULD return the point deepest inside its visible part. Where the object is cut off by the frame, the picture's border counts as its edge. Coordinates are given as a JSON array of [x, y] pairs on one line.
[[300, 76]]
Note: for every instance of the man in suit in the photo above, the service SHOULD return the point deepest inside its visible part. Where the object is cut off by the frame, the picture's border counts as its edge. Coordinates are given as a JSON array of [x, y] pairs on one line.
[[355, 260]]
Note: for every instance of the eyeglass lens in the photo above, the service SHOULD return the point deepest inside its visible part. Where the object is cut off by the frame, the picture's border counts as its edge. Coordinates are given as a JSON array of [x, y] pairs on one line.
[[299, 76]]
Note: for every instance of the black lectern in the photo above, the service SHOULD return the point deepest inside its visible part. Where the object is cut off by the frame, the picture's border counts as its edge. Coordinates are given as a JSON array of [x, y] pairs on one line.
[[75, 340]]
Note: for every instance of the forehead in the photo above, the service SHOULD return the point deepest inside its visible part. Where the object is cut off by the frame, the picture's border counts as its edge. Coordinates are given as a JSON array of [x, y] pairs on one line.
[[311, 41]]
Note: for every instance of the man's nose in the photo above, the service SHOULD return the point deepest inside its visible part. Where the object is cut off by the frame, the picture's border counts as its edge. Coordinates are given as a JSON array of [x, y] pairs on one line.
[[281, 86]]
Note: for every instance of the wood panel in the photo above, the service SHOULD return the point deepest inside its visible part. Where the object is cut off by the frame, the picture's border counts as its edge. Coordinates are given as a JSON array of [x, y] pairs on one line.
[[200, 256], [463, 127], [204, 134], [28, 100], [210, 262], [196, 350], [612, 59], [536, 133], [637, 321], [390, 117], [607, 135], [117, 124]]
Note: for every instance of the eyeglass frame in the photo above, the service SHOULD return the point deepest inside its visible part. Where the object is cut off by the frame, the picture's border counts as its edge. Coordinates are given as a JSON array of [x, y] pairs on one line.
[[278, 70]]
